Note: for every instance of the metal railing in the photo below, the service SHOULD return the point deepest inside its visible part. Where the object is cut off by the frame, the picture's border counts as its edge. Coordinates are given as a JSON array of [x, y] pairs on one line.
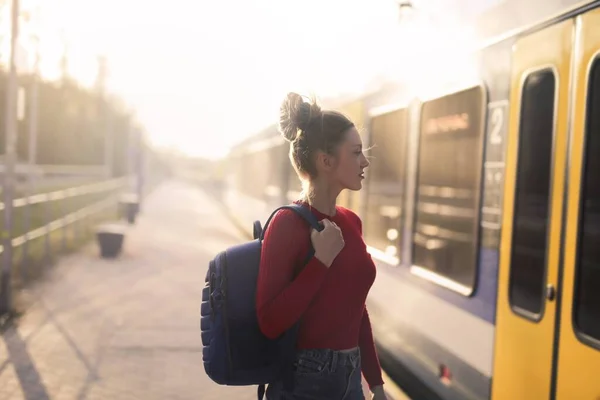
[[113, 189]]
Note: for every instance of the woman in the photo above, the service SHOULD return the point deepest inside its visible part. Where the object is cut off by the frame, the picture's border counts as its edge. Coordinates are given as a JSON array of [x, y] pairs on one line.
[[328, 293]]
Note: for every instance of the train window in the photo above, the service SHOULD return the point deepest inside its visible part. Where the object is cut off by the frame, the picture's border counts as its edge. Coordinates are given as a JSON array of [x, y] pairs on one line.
[[532, 194], [445, 239], [587, 295], [386, 181]]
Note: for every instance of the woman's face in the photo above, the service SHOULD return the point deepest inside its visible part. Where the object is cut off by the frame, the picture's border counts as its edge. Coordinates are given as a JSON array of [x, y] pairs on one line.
[[350, 162]]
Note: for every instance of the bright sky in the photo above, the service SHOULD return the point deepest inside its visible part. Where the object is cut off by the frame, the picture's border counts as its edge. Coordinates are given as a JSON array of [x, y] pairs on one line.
[[202, 75]]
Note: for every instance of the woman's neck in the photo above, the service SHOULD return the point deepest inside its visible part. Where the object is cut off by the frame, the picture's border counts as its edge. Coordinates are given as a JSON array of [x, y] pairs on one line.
[[322, 198]]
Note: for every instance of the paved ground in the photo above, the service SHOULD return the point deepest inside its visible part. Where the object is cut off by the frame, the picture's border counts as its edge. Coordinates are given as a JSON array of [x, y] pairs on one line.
[[127, 329]]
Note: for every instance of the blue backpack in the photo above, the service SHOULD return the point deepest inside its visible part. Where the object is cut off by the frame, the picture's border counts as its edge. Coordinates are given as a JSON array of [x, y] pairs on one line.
[[235, 351]]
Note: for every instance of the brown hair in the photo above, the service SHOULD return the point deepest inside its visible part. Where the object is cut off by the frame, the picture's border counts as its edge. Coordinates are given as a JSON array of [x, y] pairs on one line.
[[310, 129]]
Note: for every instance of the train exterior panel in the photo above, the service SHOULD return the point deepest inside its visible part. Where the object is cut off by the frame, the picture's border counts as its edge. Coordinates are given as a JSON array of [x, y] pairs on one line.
[[444, 314]]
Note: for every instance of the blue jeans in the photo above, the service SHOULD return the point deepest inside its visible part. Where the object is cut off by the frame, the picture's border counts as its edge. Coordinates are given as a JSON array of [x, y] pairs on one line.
[[323, 374]]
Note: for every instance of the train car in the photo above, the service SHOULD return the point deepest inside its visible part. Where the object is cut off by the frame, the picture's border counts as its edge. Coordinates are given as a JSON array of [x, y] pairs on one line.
[[479, 209], [257, 176]]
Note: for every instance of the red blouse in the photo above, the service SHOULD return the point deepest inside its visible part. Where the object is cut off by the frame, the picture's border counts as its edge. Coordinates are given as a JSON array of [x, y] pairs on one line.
[[330, 301]]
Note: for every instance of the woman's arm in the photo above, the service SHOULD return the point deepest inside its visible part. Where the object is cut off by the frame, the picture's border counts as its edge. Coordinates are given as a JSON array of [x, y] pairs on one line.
[[370, 362], [281, 299]]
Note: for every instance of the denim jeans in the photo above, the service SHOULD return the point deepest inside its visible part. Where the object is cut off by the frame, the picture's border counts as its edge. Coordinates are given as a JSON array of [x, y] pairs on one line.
[[322, 374]]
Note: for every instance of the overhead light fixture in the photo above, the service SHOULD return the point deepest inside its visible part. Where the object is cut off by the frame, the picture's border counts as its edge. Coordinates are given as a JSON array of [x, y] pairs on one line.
[[405, 9], [403, 4]]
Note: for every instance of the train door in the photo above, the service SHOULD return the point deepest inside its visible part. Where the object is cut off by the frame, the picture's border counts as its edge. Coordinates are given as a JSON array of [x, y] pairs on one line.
[[532, 215], [579, 350]]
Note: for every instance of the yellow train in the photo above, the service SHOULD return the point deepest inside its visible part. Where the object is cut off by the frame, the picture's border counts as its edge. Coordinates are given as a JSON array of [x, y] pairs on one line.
[[479, 208]]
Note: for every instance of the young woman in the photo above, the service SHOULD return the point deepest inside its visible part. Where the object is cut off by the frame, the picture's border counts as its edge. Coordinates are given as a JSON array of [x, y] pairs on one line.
[[328, 293]]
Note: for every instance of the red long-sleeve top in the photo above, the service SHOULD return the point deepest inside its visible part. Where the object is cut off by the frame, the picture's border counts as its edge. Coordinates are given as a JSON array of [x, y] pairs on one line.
[[329, 301]]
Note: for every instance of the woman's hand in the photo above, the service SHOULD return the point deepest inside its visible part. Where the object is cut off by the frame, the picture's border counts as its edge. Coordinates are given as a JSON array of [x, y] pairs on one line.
[[378, 393], [328, 243]]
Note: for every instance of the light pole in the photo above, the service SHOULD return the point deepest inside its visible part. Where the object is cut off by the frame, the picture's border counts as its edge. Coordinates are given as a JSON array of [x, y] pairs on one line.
[[32, 146], [9, 171], [33, 112], [104, 100], [32, 100]]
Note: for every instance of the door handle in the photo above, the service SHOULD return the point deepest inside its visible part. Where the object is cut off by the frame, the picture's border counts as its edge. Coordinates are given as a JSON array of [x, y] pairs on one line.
[[550, 292]]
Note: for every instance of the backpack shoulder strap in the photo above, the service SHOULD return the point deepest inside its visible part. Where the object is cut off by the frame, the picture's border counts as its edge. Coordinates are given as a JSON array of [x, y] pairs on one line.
[[305, 213], [301, 211]]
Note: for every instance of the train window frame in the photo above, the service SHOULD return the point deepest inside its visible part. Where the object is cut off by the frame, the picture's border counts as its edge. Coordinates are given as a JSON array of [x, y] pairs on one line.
[[376, 252], [521, 312], [583, 337], [423, 272]]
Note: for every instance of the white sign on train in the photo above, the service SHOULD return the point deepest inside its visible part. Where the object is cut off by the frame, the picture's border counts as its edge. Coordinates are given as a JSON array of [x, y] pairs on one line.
[[497, 122], [447, 123]]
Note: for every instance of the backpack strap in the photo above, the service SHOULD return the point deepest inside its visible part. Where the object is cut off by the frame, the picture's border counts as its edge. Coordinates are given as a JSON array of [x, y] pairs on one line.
[[261, 391], [298, 209], [305, 213]]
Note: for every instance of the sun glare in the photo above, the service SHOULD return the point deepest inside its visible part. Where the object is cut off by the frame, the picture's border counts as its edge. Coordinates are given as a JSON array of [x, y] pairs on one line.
[[203, 75]]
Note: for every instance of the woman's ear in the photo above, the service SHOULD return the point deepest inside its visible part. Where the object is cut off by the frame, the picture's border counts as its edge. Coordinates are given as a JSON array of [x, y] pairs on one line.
[[325, 162]]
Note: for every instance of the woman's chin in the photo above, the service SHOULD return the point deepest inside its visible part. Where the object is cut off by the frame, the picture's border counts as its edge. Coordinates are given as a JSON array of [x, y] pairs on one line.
[[355, 186]]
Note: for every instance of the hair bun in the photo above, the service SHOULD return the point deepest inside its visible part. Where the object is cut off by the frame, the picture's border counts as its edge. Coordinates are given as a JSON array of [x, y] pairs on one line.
[[296, 114]]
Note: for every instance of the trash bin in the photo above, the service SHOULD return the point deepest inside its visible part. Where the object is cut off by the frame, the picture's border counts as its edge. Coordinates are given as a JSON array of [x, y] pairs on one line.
[[110, 239], [130, 207]]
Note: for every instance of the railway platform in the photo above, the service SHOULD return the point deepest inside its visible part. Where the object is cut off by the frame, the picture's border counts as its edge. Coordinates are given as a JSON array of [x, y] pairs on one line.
[[126, 328]]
